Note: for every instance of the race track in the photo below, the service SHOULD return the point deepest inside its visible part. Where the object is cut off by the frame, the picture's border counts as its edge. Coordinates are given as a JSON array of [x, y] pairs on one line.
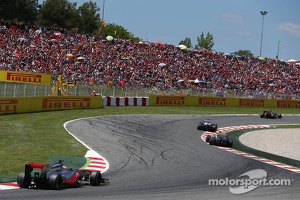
[[164, 157]]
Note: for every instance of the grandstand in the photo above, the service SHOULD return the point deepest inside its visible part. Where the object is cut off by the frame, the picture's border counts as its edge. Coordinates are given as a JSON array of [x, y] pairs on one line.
[[128, 68]]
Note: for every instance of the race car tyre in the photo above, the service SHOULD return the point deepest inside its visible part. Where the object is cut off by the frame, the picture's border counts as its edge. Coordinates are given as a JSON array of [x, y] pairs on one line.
[[56, 181], [261, 116], [21, 180], [95, 178], [214, 128], [198, 127], [207, 138], [230, 143], [212, 141], [279, 116]]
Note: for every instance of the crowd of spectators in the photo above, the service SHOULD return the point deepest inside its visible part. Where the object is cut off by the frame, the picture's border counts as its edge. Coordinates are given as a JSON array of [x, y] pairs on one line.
[[125, 63]]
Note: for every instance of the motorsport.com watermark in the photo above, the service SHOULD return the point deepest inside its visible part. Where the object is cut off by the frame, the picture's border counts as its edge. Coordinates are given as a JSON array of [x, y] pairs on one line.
[[257, 177]]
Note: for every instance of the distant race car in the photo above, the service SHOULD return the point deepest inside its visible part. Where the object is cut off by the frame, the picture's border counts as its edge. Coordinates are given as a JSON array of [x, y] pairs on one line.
[[270, 114], [207, 125], [219, 140], [56, 176]]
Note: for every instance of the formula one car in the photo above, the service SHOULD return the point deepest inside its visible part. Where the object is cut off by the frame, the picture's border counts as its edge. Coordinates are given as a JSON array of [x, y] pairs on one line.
[[219, 140], [207, 125], [270, 114], [56, 176]]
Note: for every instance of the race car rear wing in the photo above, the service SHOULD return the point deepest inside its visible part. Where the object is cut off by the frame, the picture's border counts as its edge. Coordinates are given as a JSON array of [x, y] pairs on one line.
[[35, 165]]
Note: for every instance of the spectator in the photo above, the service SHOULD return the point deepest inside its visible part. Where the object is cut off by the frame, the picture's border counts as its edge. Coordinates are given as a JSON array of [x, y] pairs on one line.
[[125, 63]]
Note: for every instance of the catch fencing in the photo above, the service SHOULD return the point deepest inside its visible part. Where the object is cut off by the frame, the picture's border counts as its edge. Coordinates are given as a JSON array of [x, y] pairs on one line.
[[19, 90]]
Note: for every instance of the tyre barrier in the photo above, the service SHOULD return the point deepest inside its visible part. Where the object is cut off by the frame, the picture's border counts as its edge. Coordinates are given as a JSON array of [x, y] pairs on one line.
[[124, 101]]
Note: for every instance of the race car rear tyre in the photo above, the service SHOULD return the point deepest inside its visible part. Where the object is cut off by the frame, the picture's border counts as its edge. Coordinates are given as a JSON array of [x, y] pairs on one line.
[[96, 178], [207, 138], [199, 127], [261, 116], [56, 181], [214, 128], [22, 181]]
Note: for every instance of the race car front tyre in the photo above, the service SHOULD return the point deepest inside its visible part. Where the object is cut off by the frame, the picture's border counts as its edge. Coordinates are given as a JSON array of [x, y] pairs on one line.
[[22, 181], [279, 116], [212, 141], [96, 178], [207, 138], [56, 181]]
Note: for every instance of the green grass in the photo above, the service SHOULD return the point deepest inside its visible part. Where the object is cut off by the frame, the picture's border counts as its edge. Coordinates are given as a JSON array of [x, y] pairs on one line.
[[36, 136], [288, 126]]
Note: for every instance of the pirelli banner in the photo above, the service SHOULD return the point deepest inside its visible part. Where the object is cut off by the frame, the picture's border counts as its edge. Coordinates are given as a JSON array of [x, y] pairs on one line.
[[221, 102], [36, 104], [25, 77]]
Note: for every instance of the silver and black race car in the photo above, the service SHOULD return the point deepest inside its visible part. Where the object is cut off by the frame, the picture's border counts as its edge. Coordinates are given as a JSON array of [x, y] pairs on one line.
[[57, 176], [270, 114], [219, 140], [207, 125]]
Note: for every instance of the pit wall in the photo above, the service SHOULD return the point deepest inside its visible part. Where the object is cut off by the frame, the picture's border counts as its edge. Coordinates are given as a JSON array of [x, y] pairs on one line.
[[37, 104]]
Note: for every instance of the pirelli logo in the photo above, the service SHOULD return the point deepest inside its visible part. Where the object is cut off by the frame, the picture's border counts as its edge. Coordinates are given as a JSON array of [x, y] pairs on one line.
[[24, 78], [212, 102], [168, 100], [288, 104], [68, 103], [251, 103], [8, 106]]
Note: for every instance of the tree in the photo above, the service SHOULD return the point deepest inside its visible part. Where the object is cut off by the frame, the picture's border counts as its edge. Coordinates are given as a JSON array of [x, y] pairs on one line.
[[89, 18], [19, 10], [27, 10], [206, 42], [58, 14], [118, 31], [72, 17], [187, 42], [244, 53], [7, 9]]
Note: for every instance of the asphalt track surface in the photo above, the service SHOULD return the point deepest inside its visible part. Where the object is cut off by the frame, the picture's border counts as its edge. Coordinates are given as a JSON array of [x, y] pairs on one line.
[[163, 157]]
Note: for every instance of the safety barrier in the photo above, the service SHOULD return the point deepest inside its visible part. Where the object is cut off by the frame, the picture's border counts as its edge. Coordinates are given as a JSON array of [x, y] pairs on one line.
[[50, 103], [221, 102], [36, 104]]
